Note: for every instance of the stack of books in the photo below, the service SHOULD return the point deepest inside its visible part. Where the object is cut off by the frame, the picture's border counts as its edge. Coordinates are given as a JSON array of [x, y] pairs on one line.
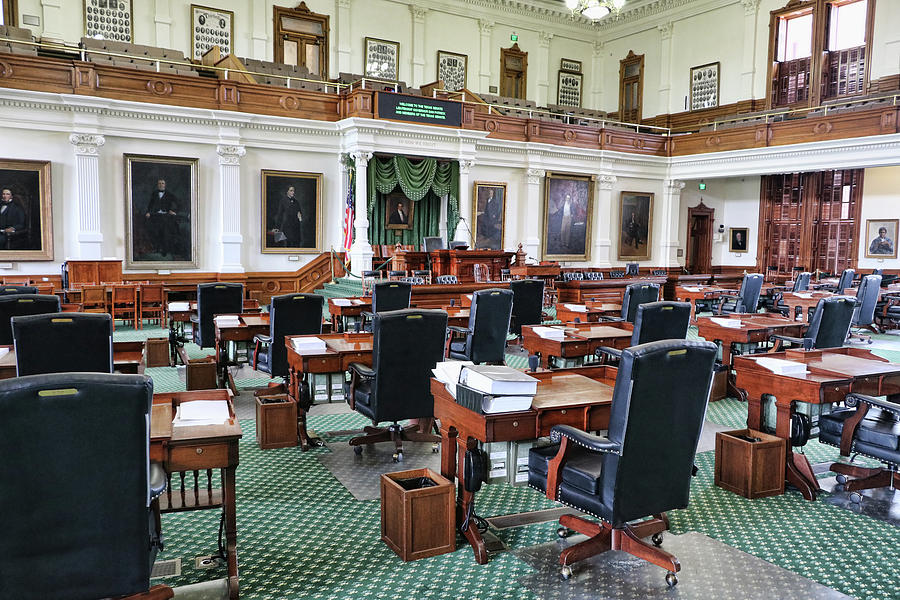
[[309, 344], [227, 320], [495, 389]]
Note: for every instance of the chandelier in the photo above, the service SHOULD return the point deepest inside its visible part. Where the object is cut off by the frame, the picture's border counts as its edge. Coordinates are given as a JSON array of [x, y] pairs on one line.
[[594, 9]]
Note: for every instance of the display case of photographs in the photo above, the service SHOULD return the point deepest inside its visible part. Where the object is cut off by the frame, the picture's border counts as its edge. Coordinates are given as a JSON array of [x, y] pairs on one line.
[[211, 27], [452, 70], [382, 58], [705, 86], [569, 89], [108, 19]]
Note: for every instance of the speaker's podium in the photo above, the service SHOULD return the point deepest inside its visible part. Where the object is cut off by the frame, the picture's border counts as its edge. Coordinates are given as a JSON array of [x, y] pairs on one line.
[[462, 263]]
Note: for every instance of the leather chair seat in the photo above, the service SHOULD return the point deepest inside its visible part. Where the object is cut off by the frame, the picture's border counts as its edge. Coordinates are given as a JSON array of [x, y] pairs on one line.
[[157, 479], [458, 347], [262, 362], [729, 306], [878, 430], [581, 478], [362, 396]]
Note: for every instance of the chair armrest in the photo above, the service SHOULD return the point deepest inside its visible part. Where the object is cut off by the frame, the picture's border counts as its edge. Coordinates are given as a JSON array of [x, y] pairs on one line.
[[611, 319], [805, 342], [262, 339], [157, 481], [195, 318], [886, 405], [366, 314], [361, 370], [614, 352], [594, 443], [460, 330], [729, 293]]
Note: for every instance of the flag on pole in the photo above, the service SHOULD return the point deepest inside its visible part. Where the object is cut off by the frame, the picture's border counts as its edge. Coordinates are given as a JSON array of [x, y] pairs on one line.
[[348, 214]]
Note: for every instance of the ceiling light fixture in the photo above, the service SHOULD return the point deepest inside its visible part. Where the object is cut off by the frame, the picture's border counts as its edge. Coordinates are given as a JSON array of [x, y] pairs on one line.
[[594, 9]]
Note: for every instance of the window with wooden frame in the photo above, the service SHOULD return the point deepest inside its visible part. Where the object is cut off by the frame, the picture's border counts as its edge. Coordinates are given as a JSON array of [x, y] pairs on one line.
[[631, 87], [513, 72], [818, 50], [301, 39], [9, 13], [809, 221]]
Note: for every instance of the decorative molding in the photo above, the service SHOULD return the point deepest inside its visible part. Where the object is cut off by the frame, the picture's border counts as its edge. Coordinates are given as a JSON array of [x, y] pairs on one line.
[[87, 144], [544, 38], [606, 182], [535, 176], [597, 49], [750, 7], [485, 26], [465, 166], [674, 186], [418, 13], [361, 158], [230, 154], [665, 30], [343, 4]]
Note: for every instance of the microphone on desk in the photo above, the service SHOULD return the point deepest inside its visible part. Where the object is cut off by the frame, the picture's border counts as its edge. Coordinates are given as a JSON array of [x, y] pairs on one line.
[[466, 223]]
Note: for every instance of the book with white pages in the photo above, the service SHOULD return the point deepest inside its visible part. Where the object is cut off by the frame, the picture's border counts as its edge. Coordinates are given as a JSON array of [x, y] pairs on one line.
[[201, 412], [309, 344], [780, 366], [226, 320], [576, 307], [692, 289], [340, 301], [550, 333], [447, 372], [498, 380], [179, 306]]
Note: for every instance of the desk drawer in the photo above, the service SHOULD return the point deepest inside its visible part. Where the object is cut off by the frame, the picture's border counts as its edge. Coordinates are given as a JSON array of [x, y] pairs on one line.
[[511, 428], [560, 416], [832, 393], [198, 456], [576, 349], [324, 364]]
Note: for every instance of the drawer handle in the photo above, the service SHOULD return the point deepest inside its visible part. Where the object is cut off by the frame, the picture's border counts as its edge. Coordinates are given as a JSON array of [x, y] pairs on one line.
[[563, 411], [515, 423], [199, 450]]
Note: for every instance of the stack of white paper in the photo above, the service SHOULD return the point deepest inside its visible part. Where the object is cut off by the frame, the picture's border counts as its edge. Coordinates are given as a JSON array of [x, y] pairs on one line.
[[340, 301], [576, 307], [550, 333], [4, 352], [309, 344], [733, 323], [201, 412], [782, 367], [179, 306], [357, 302], [499, 380], [692, 289], [802, 295], [227, 320], [447, 372]]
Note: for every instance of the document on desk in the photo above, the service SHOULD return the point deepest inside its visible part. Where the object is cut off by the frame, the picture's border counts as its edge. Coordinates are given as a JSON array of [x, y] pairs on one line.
[[782, 367], [733, 323], [179, 306], [227, 320], [692, 289], [309, 344], [357, 302], [201, 412], [4, 352], [341, 301], [576, 307], [447, 372], [550, 333]]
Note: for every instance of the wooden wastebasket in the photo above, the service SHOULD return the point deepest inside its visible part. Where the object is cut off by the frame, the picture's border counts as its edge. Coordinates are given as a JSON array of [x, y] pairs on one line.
[[417, 520], [749, 468], [200, 374], [156, 352], [276, 421]]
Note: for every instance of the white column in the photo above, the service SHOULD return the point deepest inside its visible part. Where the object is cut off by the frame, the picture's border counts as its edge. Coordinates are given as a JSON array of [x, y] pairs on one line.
[[260, 20], [748, 64], [163, 21], [603, 221], [88, 235], [464, 228], [53, 19], [543, 69], [342, 31], [665, 79], [418, 45], [532, 244], [230, 205], [361, 250], [671, 207], [597, 75], [486, 28]]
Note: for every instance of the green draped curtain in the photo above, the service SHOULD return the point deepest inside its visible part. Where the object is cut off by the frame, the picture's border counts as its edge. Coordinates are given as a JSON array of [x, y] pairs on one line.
[[421, 179]]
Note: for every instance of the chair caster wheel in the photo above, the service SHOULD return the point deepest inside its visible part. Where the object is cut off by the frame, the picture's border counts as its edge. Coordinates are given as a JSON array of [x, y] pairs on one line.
[[357, 450], [398, 456], [562, 532], [657, 539], [841, 479], [565, 572], [671, 579], [855, 497]]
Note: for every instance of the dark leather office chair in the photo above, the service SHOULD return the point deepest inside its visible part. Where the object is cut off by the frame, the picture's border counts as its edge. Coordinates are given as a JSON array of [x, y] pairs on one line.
[[405, 347], [654, 321], [828, 326], [387, 295], [432, 243], [871, 427], [57, 343], [635, 295], [458, 245], [17, 305], [484, 340], [528, 301], [801, 284], [290, 314], [214, 299], [446, 279], [845, 281], [643, 466], [632, 269], [747, 298], [78, 492], [17, 289], [866, 301]]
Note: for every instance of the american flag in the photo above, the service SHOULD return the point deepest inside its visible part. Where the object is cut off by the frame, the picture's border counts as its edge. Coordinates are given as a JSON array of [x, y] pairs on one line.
[[348, 215]]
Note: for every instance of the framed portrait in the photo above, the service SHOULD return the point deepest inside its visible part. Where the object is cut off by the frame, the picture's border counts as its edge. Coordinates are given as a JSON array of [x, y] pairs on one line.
[[382, 59], [161, 230], [26, 221], [881, 238], [705, 86], [488, 214], [451, 69], [738, 239], [398, 211], [568, 64], [568, 204], [291, 205], [635, 225], [568, 90], [211, 27], [108, 19]]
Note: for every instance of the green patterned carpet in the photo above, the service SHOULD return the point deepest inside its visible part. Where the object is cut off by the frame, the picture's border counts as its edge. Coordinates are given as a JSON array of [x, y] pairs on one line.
[[302, 535]]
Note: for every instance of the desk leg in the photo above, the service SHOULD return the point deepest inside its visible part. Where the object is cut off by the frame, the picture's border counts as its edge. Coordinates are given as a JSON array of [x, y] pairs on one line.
[[466, 503], [798, 472], [230, 508], [448, 451], [301, 413], [754, 412]]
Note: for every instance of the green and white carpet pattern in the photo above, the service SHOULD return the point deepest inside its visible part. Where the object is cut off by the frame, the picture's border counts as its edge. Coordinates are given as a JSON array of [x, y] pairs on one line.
[[302, 535]]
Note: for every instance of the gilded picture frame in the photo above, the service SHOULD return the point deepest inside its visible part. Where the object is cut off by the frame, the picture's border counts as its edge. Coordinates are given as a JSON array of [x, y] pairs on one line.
[[738, 239], [399, 211], [878, 245], [635, 226], [291, 212], [29, 216], [568, 206], [488, 215]]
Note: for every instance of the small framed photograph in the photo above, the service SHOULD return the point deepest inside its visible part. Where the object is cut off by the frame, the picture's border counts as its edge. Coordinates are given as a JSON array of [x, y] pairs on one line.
[[161, 194], [398, 211], [211, 27], [451, 69], [489, 210], [881, 238], [705, 86], [382, 59], [738, 238], [570, 65], [26, 220], [568, 204], [635, 225], [108, 20], [291, 206], [569, 89]]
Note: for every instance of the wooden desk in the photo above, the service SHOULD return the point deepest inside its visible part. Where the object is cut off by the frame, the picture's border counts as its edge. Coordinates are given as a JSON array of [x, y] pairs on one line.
[[340, 313], [342, 349], [577, 397], [457, 316], [462, 263], [128, 357], [250, 325], [832, 375], [804, 301], [603, 290], [591, 314], [196, 449], [581, 339], [691, 294], [177, 319]]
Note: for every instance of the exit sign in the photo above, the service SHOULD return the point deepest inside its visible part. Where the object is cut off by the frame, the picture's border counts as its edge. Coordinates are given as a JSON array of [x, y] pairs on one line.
[[514, 37]]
